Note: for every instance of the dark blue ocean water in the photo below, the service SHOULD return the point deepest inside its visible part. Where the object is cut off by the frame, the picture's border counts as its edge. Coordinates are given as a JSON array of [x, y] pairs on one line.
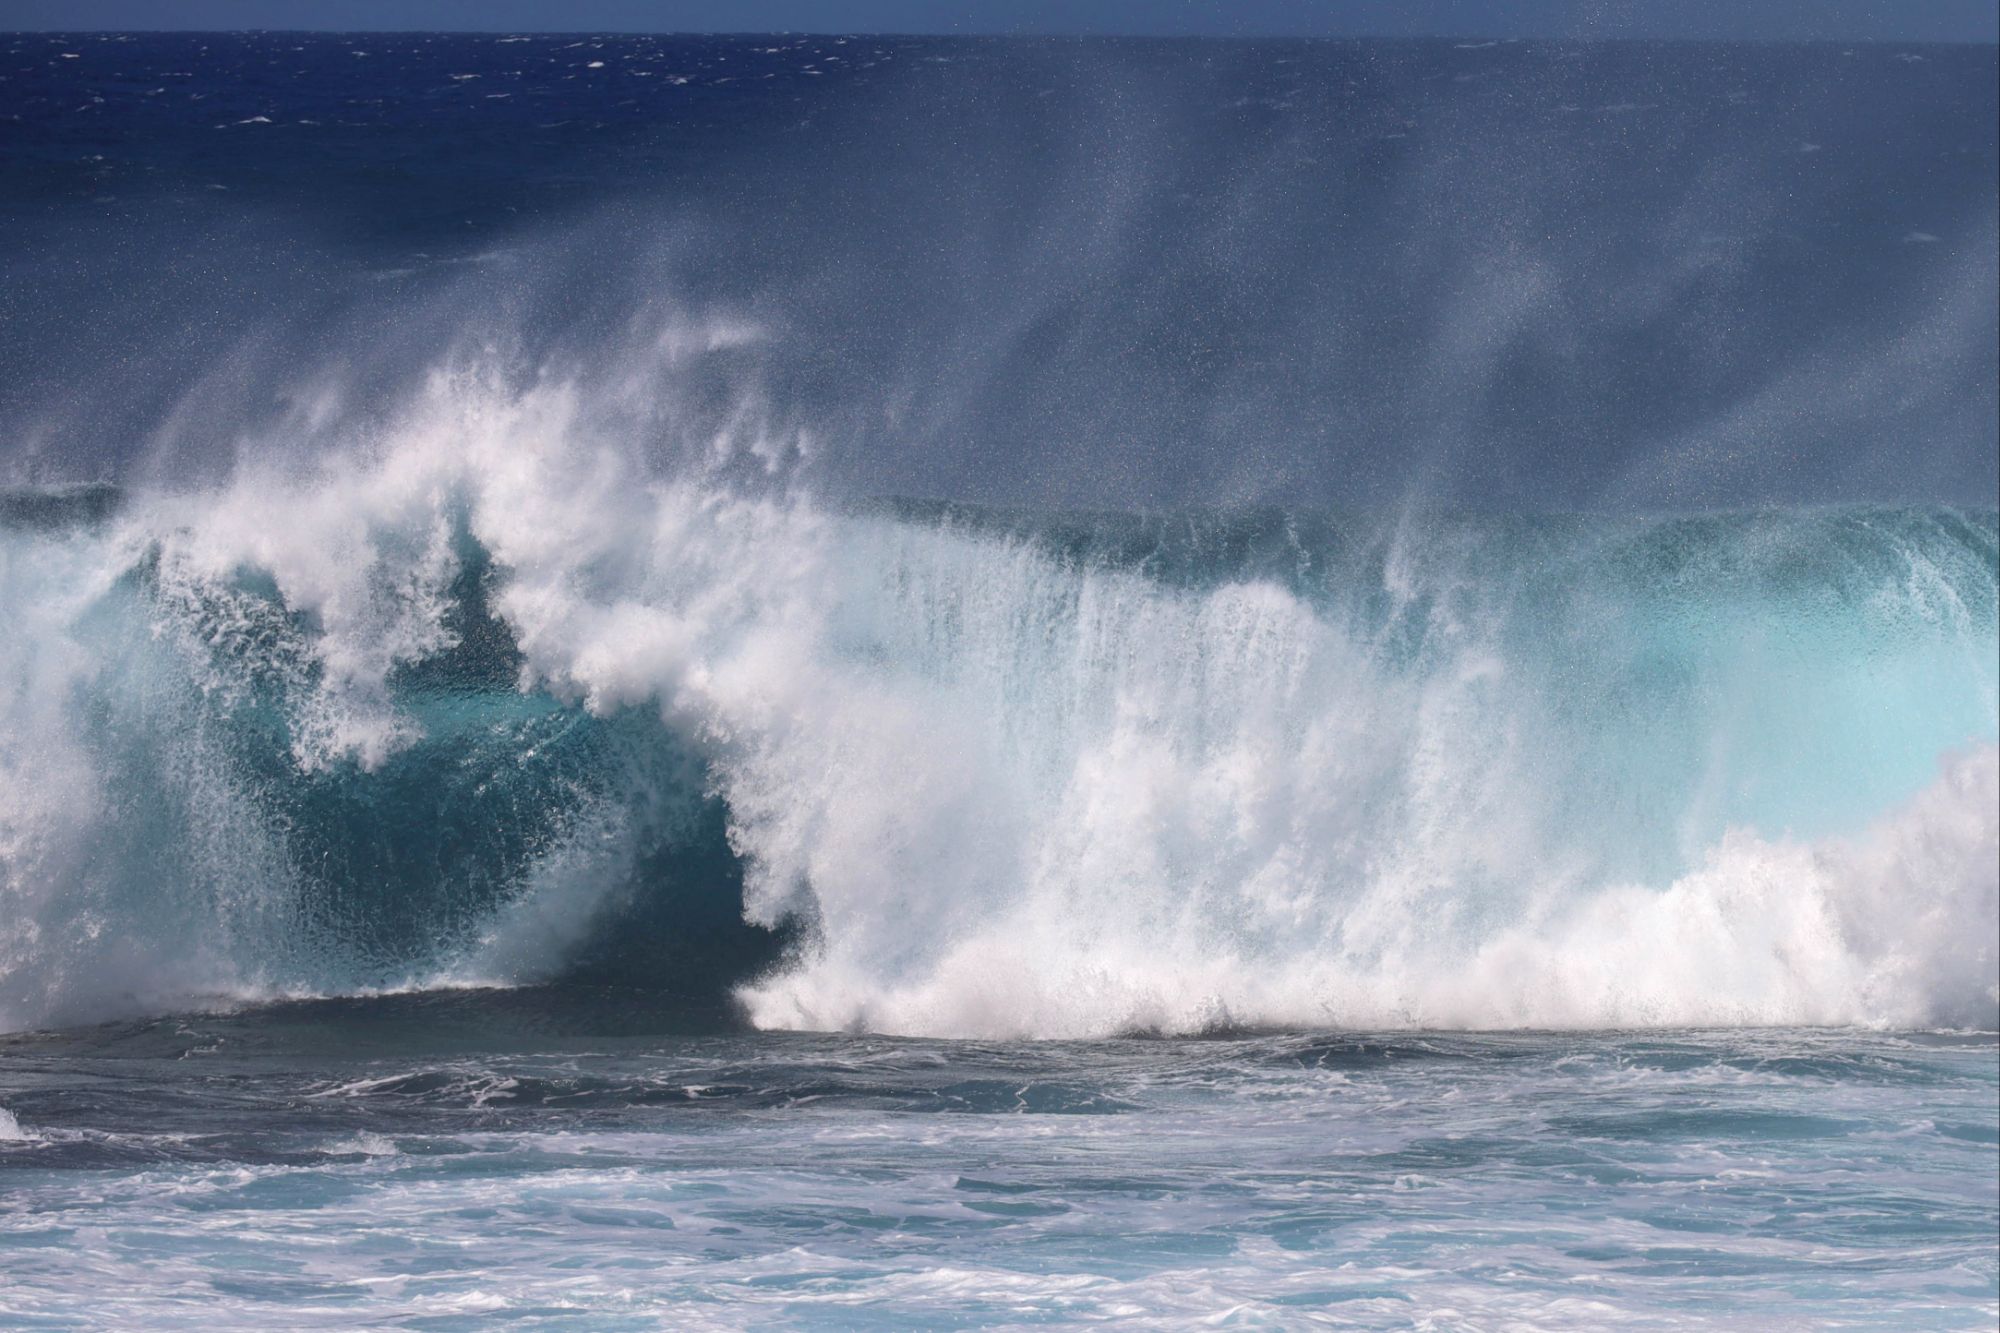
[[920, 683]]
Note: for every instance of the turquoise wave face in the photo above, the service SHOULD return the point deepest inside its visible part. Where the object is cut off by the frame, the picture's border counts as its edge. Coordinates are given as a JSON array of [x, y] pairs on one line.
[[193, 714], [1315, 736], [1786, 671]]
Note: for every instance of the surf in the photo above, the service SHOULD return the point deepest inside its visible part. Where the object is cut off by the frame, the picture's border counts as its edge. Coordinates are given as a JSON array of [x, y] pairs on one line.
[[497, 703]]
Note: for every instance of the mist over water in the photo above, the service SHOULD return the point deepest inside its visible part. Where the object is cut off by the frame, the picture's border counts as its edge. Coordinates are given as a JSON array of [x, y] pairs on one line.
[[1080, 273]]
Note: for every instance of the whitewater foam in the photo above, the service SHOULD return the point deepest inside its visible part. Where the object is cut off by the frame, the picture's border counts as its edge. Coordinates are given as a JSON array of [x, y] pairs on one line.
[[1893, 929]]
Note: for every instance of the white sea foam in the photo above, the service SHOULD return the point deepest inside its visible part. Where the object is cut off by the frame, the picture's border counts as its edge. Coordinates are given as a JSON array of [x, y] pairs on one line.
[[1894, 928]]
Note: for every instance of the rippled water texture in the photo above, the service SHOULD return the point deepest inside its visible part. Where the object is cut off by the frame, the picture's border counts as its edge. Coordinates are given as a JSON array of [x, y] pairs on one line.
[[302, 1167]]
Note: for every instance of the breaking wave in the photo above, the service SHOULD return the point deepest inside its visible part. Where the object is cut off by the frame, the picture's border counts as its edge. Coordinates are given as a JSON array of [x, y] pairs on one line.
[[475, 586], [495, 701]]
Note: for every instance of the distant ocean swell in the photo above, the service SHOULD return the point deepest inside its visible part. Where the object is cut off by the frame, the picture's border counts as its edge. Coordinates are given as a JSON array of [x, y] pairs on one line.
[[489, 703]]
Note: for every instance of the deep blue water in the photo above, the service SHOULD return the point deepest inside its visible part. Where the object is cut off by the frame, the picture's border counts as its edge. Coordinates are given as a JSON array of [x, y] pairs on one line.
[[919, 683]]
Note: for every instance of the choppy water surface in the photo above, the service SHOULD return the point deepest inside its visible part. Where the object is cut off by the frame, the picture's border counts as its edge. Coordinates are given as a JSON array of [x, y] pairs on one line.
[[447, 1162]]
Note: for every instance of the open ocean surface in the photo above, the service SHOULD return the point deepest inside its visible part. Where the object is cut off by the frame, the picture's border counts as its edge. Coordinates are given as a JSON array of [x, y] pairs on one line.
[[913, 683]]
